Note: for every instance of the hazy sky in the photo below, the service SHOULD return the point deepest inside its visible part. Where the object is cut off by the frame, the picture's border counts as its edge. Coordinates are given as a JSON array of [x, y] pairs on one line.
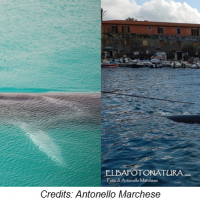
[[187, 11]]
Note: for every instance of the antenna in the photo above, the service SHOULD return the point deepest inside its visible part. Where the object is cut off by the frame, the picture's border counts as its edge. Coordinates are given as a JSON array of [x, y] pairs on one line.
[[105, 12]]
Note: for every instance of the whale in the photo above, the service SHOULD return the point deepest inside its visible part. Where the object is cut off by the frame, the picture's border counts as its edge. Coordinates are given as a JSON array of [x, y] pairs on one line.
[[191, 119], [36, 113]]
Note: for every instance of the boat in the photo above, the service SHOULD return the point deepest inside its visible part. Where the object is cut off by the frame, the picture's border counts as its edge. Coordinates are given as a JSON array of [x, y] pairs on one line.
[[155, 63], [176, 64], [112, 65], [185, 64], [106, 63], [125, 64], [166, 63], [195, 66], [136, 63], [146, 63], [160, 56]]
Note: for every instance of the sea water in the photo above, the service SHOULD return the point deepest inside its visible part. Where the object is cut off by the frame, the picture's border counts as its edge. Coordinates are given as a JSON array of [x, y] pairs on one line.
[[49, 46], [137, 135]]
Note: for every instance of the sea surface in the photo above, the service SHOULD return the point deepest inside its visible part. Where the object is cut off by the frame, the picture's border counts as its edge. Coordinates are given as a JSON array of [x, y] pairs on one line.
[[136, 135], [49, 47]]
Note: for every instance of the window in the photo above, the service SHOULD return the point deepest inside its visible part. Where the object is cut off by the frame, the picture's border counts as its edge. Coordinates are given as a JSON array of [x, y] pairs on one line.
[[160, 30], [178, 31], [161, 42], [125, 29], [145, 42], [149, 28], [114, 29], [126, 41], [194, 32]]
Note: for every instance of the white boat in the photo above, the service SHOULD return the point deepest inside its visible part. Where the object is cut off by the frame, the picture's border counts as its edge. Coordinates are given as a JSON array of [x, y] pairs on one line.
[[146, 63], [160, 56], [195, 66], [166, 63], [155, 63], [186, 64], [175, 64]]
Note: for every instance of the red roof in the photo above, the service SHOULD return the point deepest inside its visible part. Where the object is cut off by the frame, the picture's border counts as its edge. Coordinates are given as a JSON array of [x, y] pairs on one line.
[[150, 23]]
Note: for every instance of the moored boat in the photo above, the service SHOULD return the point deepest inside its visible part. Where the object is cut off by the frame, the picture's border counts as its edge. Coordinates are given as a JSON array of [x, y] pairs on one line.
[[195, 66], [109, 65], [136, 64], [125, 64], [175, 64], [166, 63], [106, 63], [155, 63]]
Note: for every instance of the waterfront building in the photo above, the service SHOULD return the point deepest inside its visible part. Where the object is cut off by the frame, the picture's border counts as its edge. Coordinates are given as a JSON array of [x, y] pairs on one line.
[[128, 37]]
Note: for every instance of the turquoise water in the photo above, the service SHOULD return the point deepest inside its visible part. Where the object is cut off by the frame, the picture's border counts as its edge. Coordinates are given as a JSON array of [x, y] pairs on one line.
[[23, 164], [48, 46]]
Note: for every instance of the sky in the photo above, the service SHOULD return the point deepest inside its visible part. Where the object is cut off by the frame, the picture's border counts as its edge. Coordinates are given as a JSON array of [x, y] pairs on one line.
[[187, 11]]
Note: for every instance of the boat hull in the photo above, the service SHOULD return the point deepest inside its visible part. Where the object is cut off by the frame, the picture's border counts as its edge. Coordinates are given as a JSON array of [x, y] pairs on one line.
[[112, 65], [137, 66]]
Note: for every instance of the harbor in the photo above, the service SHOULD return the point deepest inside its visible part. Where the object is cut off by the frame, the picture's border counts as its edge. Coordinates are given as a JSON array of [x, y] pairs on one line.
[[193, 63], [150, 61], [133, 43], [150, 103]]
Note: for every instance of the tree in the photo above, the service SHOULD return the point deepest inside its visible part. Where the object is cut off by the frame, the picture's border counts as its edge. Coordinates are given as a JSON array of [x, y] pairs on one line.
[[190, 49], [131, 19]]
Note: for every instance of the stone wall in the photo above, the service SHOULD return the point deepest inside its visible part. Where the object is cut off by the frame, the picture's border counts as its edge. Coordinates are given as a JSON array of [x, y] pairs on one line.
[[147, 45]]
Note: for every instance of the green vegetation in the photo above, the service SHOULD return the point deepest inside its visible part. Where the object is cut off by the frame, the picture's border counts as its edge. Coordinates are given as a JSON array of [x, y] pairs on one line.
[[131, 19], [190, 49]]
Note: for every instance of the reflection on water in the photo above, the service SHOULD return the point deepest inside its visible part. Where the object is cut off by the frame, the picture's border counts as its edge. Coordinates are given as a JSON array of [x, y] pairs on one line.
[[136, 135]]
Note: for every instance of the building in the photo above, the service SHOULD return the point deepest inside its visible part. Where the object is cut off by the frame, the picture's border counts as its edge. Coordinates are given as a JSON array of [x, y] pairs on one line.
[[147, 37]]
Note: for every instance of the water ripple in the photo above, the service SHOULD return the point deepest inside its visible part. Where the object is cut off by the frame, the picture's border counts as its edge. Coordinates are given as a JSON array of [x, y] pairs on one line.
[[136, 135]]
